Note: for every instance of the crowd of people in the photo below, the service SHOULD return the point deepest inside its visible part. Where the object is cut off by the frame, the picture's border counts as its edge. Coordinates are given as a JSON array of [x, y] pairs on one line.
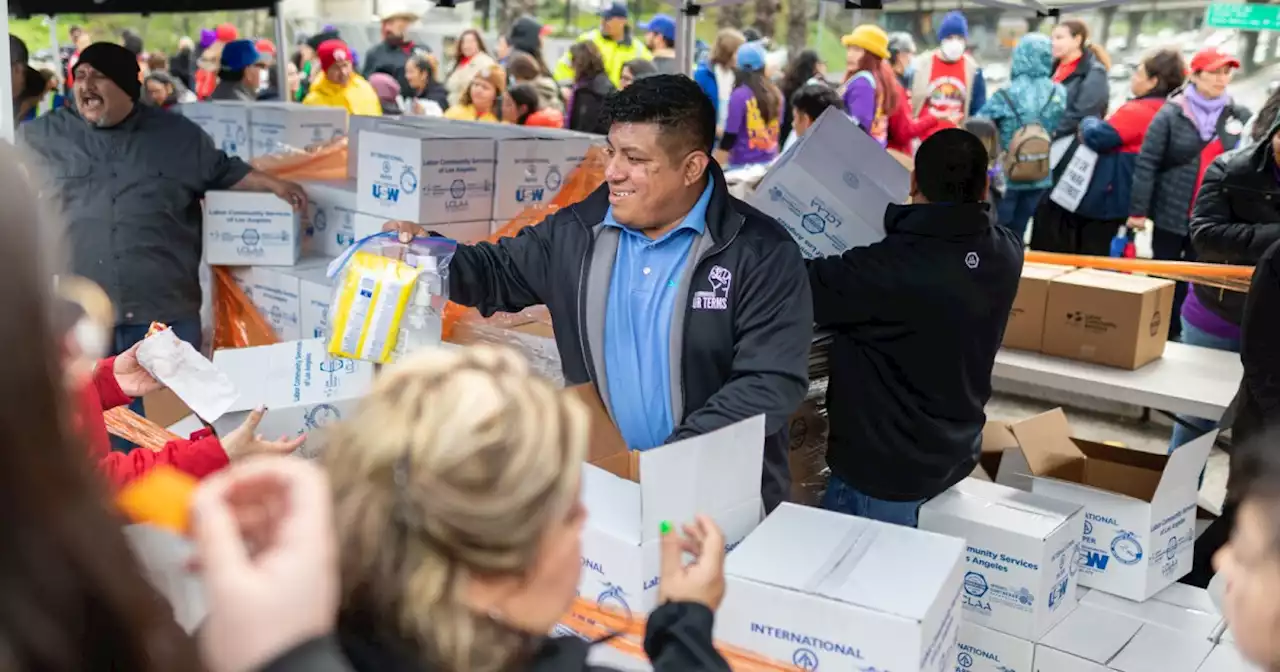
[[442, 528]]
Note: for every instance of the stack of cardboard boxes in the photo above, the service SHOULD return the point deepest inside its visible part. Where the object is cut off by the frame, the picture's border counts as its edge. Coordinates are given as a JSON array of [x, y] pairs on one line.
[[1114, 319]]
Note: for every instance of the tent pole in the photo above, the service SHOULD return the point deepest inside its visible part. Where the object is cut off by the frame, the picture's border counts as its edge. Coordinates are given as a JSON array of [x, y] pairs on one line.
[[282, 53], [58, 67], [6, 80]]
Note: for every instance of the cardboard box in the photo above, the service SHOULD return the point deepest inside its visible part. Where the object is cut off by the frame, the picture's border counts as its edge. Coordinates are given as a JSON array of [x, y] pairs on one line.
[[227, 123], [365, 225], [996, 439], [1169, 608], [419, 176], [359, 122], [243, 228], [826, 591], [629, 493], [1226, 658], [1107, 318], [303, 388], [293, 300], [1025, 330], [980, 649], [1090, 639], [276, 127], [830, 191], [333, 209], [1020, 560], [164, 408], [1140, 508]]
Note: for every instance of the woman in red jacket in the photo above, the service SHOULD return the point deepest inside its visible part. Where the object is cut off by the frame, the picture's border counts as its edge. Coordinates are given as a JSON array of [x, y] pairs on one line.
[[101, 385]]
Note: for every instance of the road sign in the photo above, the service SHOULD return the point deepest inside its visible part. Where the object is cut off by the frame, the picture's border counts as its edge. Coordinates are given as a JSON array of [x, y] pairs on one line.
[[1242, 16]]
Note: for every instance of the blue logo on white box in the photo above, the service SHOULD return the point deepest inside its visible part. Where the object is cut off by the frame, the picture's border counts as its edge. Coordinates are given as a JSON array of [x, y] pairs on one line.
[[612, 598], [553, 178], [322, 415], [964, 660], [320, 221], [975, 584], [1126, 548], [408, 180], [805, 659], [458, 189], [251, 237]]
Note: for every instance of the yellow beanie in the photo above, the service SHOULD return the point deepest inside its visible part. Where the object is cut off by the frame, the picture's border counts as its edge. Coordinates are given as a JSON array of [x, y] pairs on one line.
[[869, 37]]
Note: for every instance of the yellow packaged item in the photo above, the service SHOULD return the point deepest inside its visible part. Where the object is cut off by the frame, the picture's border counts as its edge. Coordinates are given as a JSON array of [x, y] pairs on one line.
[[369, 302]]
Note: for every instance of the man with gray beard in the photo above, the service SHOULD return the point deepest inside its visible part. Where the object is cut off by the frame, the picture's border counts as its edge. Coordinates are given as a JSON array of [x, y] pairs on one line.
[[128, 179]]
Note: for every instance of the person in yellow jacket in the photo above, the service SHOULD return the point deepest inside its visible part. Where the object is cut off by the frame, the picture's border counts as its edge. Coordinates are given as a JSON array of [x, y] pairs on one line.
[[480, 100], [338, 85], [616, 44]]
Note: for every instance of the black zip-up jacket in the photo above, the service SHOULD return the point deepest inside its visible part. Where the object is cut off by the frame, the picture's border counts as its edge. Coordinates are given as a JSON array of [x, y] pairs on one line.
[[1087, 94], [1236, 218], [677, 639], [918, 317], [1257, 404], [739, 343], [390, 59]]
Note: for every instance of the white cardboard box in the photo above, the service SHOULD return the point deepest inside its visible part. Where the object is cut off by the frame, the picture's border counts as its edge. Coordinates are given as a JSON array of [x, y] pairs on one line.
[[530, 171], [1226, 658], [1091, 639], [364, 225], [243, 228], [831, 190], [1140, 508], [980, 649], [1179, 607], [716, 474], [293, 300], [226, 122], [419, 176], [333, 211], [360, 122], [302, 387], [826, 591], [290, 127], [1020, 559]]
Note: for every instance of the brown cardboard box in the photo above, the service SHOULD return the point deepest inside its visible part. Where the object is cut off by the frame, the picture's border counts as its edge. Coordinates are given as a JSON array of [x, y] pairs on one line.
[[1025, 330], [606, 449], [1107, 318], [996, 438], [164, 408]]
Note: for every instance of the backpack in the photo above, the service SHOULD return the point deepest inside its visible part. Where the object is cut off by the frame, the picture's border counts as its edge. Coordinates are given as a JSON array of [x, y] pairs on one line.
[[1026, 159]]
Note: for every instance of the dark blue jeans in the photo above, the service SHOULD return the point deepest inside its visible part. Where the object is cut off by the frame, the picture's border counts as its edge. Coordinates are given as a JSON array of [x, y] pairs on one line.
[[842, 498], [1016, 208], [127, 335]]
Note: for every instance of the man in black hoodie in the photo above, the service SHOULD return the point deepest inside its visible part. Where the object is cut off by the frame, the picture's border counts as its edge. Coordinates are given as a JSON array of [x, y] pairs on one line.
[[918, 318]]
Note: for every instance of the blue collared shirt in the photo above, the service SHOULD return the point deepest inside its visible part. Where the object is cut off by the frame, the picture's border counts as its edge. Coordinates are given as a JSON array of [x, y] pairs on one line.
[[637, 327]]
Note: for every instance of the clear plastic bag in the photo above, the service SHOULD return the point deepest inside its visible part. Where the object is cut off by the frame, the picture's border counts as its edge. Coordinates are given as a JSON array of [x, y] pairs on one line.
[[388, 297]]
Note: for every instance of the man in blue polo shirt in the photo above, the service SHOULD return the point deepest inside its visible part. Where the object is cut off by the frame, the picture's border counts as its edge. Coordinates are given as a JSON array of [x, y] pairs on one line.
[[687, 308]]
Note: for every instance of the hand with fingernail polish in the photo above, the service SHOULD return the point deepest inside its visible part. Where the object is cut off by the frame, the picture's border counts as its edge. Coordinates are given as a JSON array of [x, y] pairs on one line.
[[245, 441], [700, 581]]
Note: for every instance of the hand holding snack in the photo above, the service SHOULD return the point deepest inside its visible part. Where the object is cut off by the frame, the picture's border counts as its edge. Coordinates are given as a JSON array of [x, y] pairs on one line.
[[134, 380]]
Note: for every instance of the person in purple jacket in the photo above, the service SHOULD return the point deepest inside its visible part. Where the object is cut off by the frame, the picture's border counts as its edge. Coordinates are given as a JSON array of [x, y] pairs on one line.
[[754, 121], [870, 92]]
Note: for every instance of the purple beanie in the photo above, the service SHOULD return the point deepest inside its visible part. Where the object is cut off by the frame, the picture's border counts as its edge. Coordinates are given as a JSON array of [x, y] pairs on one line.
[[207, 37]]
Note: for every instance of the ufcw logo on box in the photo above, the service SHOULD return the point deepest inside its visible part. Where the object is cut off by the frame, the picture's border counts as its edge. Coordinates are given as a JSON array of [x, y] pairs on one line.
[[386, 192]]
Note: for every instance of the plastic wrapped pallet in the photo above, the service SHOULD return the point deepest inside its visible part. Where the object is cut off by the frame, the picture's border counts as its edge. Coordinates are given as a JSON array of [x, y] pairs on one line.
[[528, 332], [808, 452]]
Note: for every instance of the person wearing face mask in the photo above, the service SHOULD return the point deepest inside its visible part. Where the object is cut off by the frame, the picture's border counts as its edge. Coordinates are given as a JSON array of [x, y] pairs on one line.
[[1195, 126], [392, 54], [686, 309], [241, 73], [129, 179], [947, 82]]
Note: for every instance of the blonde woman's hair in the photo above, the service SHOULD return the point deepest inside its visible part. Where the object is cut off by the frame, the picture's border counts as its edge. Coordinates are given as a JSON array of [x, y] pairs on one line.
[[453, 467], [725, 50]]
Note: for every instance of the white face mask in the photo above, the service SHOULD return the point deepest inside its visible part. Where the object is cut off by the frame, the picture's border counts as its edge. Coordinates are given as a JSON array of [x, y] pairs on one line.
[[953, 48]]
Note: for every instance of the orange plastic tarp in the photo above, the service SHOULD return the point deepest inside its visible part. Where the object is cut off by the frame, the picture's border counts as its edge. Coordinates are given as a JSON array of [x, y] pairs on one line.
[[1235, 278], [136, 429]]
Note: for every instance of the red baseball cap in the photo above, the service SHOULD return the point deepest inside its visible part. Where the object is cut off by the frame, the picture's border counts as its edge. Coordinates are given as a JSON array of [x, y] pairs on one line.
[[1210, 59], [265, 47]]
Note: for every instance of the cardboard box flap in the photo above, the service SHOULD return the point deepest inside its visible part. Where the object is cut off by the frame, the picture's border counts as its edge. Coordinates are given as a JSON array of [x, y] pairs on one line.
[[1122, 470], [1184, 467], [605, 442], [1097, 635], [1004, 507], [612, 503], [1157, 649], [707, 474], [1045, 442], [1044, 271], [1187, 597], [1176, 617]]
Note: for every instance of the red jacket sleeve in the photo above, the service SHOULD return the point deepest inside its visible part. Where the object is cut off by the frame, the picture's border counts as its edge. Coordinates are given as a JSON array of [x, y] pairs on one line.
[[1131, 122], [104, 381], [199, 456], [905, 129]]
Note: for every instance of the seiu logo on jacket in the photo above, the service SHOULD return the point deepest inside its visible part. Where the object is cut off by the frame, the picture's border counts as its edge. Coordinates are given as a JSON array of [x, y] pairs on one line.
[[717, 298]]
